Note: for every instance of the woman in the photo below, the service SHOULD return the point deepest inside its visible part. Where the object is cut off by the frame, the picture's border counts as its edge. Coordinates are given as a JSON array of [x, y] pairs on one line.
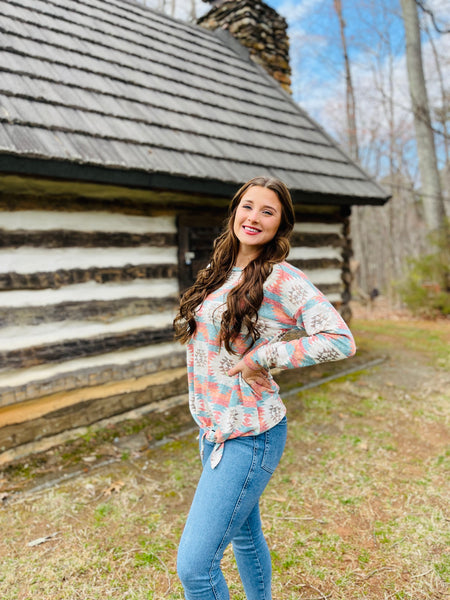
[[233, 320]]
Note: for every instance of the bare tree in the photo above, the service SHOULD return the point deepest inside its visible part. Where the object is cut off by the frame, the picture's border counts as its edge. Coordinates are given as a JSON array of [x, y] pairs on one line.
[[193, 11], [384, 237], [350, 92], [426, 151], [442, 114]]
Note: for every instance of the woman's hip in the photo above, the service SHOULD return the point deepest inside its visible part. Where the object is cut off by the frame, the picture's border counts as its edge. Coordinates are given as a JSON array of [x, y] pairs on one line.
[[262, 451]]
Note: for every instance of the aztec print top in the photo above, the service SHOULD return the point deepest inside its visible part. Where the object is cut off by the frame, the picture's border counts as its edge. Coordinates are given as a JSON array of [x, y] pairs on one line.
[[227, 407]]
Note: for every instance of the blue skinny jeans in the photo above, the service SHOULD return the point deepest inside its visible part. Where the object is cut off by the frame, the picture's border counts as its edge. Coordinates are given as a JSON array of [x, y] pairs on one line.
[[225, 509]]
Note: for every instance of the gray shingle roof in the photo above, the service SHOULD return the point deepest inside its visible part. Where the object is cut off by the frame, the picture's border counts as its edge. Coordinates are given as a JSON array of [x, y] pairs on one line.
[[110, 83]]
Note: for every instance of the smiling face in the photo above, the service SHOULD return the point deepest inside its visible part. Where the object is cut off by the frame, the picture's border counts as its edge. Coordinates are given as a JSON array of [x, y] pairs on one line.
[[257, 219]]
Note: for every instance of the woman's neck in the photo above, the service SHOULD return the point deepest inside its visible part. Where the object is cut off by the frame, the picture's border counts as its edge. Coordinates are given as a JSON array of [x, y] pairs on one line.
[[243, 258]]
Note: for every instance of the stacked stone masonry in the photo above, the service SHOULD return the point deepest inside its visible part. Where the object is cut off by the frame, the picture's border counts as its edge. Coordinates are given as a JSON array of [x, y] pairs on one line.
[[260, 29]]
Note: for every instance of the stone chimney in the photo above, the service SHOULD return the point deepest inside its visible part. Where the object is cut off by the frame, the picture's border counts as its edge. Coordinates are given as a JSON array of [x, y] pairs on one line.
[[257, 27]]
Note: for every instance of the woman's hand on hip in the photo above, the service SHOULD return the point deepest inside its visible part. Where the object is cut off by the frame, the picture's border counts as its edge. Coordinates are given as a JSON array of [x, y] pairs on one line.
[[256, 378]]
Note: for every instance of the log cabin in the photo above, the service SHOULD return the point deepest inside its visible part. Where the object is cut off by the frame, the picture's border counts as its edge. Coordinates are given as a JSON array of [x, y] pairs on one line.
[[123, 135]]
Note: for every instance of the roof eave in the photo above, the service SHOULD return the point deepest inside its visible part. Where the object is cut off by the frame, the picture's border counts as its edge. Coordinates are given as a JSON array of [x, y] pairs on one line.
[[133, 178]]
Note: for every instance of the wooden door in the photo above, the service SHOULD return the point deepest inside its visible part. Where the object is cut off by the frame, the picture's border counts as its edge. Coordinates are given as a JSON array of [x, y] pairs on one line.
[[197, 233]]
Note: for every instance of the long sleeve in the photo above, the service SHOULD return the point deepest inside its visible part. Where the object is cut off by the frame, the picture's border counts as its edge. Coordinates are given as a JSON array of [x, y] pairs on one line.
[[226, 406], [325, 335]]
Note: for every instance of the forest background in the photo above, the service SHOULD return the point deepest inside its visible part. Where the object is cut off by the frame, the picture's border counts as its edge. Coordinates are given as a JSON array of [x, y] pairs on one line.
[[349, 72]]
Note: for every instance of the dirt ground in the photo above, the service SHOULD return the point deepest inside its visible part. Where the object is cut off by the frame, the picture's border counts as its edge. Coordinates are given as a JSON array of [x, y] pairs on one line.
[[357, 510]]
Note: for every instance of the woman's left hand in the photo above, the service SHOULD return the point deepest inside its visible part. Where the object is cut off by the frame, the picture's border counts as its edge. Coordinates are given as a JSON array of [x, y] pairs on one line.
[[256, 378]]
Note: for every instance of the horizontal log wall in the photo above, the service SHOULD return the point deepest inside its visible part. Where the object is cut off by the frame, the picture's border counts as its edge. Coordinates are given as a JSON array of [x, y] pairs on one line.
[[320, 247], [87, 298]]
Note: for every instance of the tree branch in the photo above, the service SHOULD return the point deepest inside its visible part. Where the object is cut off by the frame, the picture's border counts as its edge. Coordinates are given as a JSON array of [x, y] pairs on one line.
[[429, 12]]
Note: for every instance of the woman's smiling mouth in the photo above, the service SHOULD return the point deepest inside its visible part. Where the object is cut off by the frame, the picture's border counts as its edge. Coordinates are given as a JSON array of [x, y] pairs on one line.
[[250, 230]]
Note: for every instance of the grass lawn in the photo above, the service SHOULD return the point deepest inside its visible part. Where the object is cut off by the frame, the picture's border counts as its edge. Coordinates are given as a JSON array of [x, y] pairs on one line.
[[358, 509]]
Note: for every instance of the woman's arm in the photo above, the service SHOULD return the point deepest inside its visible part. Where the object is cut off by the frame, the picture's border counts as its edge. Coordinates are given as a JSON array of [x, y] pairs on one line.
[[328, 338]]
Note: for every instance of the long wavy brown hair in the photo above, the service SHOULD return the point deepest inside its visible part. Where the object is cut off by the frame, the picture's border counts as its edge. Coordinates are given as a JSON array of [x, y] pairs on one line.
[[244, 300]]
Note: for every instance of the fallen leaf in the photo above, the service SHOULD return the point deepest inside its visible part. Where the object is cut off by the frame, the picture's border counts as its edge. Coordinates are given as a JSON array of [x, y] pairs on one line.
[[114, 487]]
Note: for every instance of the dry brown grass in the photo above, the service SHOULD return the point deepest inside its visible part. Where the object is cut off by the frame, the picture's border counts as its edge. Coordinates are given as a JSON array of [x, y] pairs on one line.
[[358, 509]]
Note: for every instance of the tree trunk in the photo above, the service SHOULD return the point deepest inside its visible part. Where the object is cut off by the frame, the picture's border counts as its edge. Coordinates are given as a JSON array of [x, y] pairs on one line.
[[350, 93], [429, 174], [442, 118], [193, 12]]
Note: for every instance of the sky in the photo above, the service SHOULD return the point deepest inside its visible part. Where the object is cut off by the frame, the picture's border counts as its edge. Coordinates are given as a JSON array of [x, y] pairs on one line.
[[316, 52], [375, 38]]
